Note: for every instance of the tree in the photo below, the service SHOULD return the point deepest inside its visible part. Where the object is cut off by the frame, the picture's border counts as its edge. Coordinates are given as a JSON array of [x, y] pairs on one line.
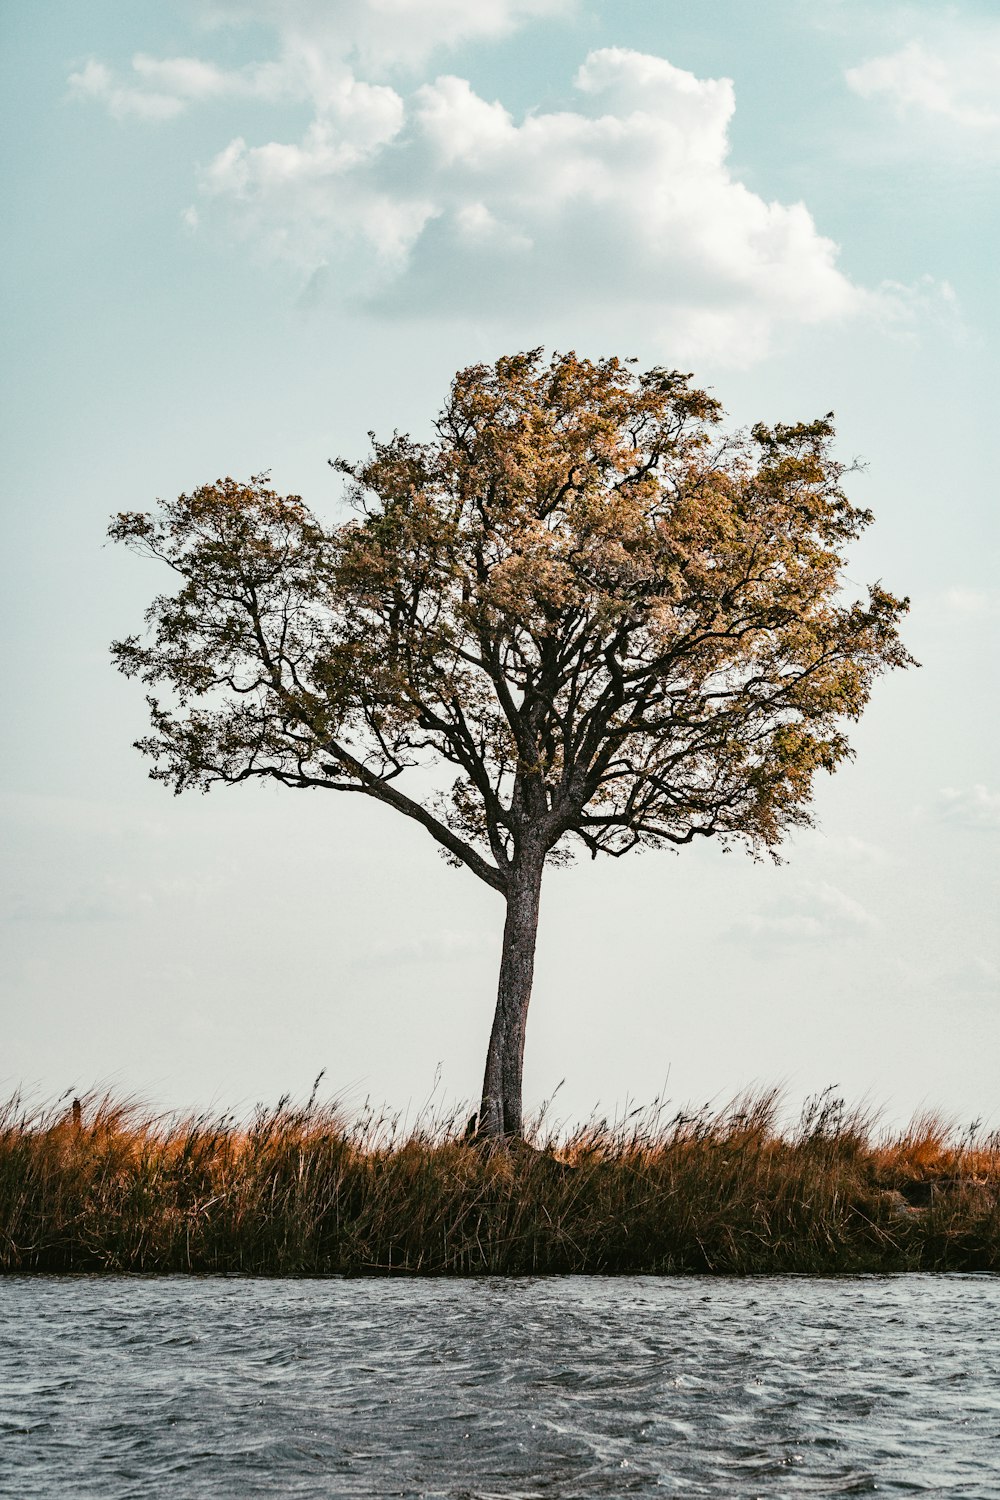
[[610, 626]]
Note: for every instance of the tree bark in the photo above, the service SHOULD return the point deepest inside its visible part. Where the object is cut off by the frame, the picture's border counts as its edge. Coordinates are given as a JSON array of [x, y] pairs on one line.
[[500, 1113]]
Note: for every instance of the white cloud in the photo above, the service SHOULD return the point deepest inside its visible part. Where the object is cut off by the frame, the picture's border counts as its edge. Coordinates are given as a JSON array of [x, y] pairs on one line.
[[320, 42], [811, 912], [162, 88], [302, 203], [954, 80], [186, 77], [971, 807], [95, 81], [906, 310], [454, 207], [381, 34], [439, 202]]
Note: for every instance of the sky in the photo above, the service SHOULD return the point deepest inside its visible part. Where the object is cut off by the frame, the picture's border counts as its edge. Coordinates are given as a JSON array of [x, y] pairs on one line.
[[241, 234]]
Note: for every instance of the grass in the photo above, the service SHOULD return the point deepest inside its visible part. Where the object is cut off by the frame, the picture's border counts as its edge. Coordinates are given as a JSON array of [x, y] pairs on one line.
[[299, 1190]]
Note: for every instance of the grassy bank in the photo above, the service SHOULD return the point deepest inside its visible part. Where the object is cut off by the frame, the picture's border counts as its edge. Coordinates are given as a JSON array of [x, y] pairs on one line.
[[297, 1190]]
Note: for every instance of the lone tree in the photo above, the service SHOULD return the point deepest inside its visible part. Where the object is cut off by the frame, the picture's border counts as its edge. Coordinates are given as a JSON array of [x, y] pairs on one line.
[[606, 625]]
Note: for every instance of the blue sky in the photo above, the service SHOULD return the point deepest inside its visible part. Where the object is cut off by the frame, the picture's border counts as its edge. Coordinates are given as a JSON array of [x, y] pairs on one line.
[[240, 235]]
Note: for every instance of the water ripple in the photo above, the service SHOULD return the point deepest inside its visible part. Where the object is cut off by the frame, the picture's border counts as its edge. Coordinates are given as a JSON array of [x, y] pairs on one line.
[[128, 1388]]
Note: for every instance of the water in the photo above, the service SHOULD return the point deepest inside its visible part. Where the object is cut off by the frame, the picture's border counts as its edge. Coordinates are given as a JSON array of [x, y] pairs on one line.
[[577, 1387]]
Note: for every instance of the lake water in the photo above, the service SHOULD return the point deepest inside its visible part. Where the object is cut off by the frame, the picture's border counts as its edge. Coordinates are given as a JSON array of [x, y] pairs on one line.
[[575, 1387]]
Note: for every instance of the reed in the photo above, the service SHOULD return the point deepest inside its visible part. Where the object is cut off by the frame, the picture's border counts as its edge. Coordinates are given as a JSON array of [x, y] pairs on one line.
[[301, 1190]]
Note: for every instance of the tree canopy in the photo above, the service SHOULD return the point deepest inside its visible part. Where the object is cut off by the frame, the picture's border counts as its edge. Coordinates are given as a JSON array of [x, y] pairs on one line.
[[597, 620]]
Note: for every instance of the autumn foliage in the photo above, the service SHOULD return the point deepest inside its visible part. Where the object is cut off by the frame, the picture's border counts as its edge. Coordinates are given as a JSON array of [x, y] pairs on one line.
[[599, 623]]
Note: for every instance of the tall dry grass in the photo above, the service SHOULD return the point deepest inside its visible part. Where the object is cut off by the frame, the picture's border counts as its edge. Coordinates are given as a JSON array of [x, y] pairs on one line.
[[300, 1190]]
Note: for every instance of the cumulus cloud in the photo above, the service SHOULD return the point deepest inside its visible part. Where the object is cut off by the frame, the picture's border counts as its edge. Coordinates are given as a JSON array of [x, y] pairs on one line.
[[907, 309], [434, 200], [971, 807], [95, 81], [956, 80], [160, 88], [320, 44], [385, 34], [450, 205], [812, 912]]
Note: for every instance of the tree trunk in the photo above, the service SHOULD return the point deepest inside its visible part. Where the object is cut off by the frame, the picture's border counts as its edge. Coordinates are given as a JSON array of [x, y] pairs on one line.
[[500, 1111]]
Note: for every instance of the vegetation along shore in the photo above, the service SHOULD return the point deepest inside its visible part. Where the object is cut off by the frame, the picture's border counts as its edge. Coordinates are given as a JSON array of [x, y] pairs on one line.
[[101, 1185]]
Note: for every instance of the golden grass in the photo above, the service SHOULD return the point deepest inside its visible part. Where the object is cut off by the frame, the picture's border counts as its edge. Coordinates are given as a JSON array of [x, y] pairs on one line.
[[300, 1190]]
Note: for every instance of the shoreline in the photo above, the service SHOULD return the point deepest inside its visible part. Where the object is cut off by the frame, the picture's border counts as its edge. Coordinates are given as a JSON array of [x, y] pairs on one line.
[[297, 1191]]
